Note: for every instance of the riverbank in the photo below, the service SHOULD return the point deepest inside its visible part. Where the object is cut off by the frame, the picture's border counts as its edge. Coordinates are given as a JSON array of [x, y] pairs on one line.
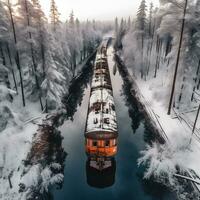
[[32, 156], [172, 130]]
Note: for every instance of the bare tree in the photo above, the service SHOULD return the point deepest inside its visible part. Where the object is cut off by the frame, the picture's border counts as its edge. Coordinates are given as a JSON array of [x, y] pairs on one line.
[[177, 59], [17, 58]]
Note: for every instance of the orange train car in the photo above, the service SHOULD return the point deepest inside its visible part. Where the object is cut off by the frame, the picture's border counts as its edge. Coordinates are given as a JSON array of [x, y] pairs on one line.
[[101, 125]]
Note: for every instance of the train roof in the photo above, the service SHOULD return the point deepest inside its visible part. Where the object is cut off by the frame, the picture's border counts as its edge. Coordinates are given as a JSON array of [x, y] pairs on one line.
[[101, 118], [105, 118]]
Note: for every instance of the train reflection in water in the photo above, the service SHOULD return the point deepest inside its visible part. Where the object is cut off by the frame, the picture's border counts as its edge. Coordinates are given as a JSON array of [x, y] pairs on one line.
[[101, 125], [101, 178]]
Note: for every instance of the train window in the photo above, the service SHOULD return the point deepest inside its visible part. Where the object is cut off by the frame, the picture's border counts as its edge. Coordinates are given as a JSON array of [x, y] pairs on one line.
[[101, 143], [113, 107], [114, 142], [95, 121], [107, 143], [106, 120], [94, 143], [107, 110]]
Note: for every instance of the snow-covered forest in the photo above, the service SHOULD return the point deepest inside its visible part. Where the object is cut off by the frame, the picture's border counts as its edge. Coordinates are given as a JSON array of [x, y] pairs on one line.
[[39, 56], [156, 40], [44, 55], [161, 47], [154, 57]]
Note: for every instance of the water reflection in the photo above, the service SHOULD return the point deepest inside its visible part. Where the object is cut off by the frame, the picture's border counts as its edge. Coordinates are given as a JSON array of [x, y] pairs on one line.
[[76, 91], [150, 187], [135, 112], [100, 178]]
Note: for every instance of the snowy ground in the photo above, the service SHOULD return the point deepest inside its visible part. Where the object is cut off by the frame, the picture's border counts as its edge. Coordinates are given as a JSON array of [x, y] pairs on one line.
[[177, 127], [15, 143]]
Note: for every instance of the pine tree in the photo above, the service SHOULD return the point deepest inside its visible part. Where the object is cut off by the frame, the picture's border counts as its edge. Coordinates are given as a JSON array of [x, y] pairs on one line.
[[177, 59], [116, 27], [129, 23], [54, 15], [141, 16], [39, 22], [4, 38], [27, 10], [150, 19], [54, 83], [71, 20], [141, 23], [17, 56], [150, 37], [116, 34]]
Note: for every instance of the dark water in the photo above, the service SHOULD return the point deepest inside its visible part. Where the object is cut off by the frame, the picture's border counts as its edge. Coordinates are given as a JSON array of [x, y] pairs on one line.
[[124, 180]]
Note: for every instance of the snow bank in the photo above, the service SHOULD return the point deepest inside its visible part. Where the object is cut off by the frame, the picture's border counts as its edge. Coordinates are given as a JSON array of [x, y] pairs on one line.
[[15, 143]]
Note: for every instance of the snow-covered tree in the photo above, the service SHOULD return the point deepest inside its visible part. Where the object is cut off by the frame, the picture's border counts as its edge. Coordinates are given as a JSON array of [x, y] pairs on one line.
[[141, 23], [54, 15], [160, 46], [38, 49], [30, 33], [14, 45], [141, 17], [171, 39], [120, 31], [52, 86]]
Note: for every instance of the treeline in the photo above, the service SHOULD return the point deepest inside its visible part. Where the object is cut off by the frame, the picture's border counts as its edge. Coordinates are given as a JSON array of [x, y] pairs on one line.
[[163, 44], [39, 58]]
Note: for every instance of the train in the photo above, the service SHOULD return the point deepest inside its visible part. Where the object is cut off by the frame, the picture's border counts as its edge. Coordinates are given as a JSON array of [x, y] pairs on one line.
[[101, 124]]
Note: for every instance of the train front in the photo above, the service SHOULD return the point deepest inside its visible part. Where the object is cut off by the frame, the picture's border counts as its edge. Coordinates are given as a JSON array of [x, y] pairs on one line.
[[101, 125]]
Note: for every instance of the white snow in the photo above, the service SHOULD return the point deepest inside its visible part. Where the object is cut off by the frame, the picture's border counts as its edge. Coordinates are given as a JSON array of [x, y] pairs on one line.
[[175, 127], [15, 143], [98, 81]]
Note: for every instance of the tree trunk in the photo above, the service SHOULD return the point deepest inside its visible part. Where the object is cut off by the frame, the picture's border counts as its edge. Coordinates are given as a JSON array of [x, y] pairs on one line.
[[11, 64], [182, 87], [43, 59], [195, 122], [46, 109], [32, 55], [6, 79], [195, 81], [142, 64], [177, 60], [157, 56], [17, 59], [198, 85]]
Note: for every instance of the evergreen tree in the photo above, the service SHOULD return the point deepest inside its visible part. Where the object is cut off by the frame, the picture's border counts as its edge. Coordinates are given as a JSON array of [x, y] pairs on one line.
[[27, 10], [53, 84], [129, 23], [17, 55], [141, 16], [54, 15], [71, 20], [141, 23], [150, 20]]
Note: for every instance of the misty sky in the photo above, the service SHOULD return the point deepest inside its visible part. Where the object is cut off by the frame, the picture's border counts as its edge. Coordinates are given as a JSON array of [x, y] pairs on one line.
[[96, 9]]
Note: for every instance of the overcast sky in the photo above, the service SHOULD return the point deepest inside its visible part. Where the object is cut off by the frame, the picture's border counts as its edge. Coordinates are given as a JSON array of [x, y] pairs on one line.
[[96, 9]]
